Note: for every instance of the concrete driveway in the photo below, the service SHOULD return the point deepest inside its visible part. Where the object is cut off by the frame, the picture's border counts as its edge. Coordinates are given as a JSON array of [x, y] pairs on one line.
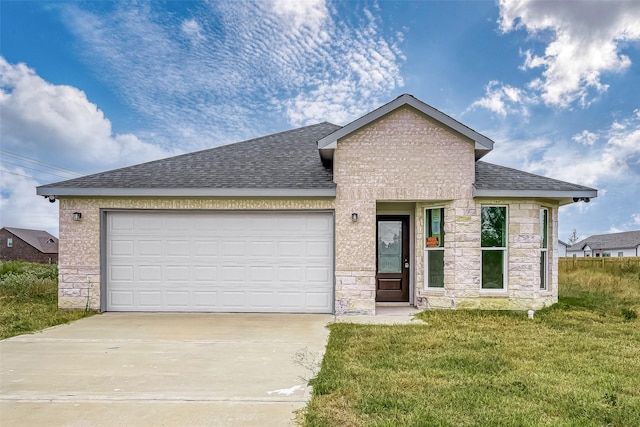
[[161, 370]]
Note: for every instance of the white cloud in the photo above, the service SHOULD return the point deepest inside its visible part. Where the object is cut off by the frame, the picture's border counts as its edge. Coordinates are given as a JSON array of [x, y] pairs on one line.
[[585, 137], [265, 60], [617, 159], [636, 218], [302, 13], [21, 207], [192, 29], [586, 39], [57, 125], [502, 99]]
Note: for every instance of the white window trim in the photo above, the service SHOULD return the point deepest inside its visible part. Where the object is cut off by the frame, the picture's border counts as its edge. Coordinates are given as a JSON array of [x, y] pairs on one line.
[[505, 249], [546, 252], [9, 242], [427, 250]]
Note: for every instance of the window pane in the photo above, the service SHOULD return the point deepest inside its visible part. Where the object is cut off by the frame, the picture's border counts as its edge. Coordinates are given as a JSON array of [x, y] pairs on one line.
[[492, 269], [544, 227], [389, 246], [494, 221], [436, 269], [434, 221], [543, 270]]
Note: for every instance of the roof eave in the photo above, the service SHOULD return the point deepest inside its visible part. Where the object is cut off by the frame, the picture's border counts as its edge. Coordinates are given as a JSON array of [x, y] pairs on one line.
[[564, 197], [481, 142], [186, 192]]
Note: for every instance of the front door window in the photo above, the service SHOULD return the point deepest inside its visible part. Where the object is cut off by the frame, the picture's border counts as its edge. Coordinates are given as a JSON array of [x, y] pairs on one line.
[[389, 246]]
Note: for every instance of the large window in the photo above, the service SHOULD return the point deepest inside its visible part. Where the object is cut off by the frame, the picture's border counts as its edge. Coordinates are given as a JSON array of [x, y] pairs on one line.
[[434, 248], [544, 247], [493, 240]]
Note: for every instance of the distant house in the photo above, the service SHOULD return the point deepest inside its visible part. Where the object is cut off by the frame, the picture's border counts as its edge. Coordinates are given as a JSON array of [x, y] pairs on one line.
[[28, 245], [607, 245], [562, 248]]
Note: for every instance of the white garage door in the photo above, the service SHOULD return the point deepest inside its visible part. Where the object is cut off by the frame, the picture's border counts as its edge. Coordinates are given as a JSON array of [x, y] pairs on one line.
[[222, 261]]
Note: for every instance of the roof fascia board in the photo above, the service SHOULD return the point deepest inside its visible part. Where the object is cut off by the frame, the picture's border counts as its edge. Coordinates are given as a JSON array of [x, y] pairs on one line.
[[187, 192], [535, 193], [481, 141]]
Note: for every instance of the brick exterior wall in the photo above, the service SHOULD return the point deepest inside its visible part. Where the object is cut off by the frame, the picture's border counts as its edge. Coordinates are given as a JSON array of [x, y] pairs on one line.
[[21, 250], [79, 266], [403, 156]]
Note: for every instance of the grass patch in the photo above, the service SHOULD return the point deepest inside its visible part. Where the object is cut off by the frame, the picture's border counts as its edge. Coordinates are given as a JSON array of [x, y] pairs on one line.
[[29, 298], [575, 364]]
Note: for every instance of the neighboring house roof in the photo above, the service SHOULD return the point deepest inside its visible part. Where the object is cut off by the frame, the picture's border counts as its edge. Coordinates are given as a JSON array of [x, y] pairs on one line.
[[281, 164], [483, 145], [563, 243], [623, 240], [39, 239], [500, 181]]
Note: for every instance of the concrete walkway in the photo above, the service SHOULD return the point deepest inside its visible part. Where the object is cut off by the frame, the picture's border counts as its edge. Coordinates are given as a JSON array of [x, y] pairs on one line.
[[161, 370], [385, 315]]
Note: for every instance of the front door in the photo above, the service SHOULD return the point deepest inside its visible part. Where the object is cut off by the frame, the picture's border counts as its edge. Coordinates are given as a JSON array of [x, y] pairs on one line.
[[392, 258]]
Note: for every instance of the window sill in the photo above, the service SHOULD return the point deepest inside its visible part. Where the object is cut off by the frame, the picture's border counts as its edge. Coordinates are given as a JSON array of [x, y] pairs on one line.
[[498, 293]]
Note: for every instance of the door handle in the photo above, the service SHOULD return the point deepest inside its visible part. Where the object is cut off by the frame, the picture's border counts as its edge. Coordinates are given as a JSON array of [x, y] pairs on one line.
[[406, 263]]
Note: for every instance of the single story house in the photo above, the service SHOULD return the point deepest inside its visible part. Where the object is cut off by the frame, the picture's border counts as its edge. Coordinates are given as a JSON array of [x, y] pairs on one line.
[[393, 208], [624, 244], [28, 245]]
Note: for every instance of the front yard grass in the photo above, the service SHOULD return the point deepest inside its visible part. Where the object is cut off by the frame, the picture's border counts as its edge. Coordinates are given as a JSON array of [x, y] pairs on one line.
[[29, 299], [576, 364]]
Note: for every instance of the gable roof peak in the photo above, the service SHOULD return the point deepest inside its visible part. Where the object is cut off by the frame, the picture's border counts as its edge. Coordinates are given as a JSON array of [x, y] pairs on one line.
[[482, 144]]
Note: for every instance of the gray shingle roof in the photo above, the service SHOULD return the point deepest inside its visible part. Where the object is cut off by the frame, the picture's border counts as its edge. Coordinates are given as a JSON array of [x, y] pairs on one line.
[[39, 239], [282, 164], [285, 160], [494, 177], [623, 240]]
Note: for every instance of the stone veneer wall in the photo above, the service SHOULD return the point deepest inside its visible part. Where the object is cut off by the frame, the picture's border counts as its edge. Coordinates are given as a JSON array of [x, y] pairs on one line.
[[403, 156], [463, 253], [79, 248]]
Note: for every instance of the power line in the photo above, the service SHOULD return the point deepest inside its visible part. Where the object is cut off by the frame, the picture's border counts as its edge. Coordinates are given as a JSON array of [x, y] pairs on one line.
[[33, 169], [49, 165], [17, 174]]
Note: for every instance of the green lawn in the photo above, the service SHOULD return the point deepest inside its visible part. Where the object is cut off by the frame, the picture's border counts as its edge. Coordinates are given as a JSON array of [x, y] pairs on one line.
[[29, 299], [575, 364]]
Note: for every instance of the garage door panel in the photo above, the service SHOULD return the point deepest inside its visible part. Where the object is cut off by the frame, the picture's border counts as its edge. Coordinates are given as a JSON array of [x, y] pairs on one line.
[[222, 261], [150, 273], [318, 249], [318, 300], [148, 248], [233, 248], [205, 248], [175, 273], [177, 248], [149, 299], [177, 299], [205, 274]]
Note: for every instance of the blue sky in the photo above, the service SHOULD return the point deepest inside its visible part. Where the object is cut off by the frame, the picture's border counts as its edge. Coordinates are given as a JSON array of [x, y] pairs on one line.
[[91, 86]]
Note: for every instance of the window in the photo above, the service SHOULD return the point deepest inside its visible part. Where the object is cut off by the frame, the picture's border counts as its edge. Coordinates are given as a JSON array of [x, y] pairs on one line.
[[493, 239], [620, 254], [9, 242], [544, 247], [434, 248]]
